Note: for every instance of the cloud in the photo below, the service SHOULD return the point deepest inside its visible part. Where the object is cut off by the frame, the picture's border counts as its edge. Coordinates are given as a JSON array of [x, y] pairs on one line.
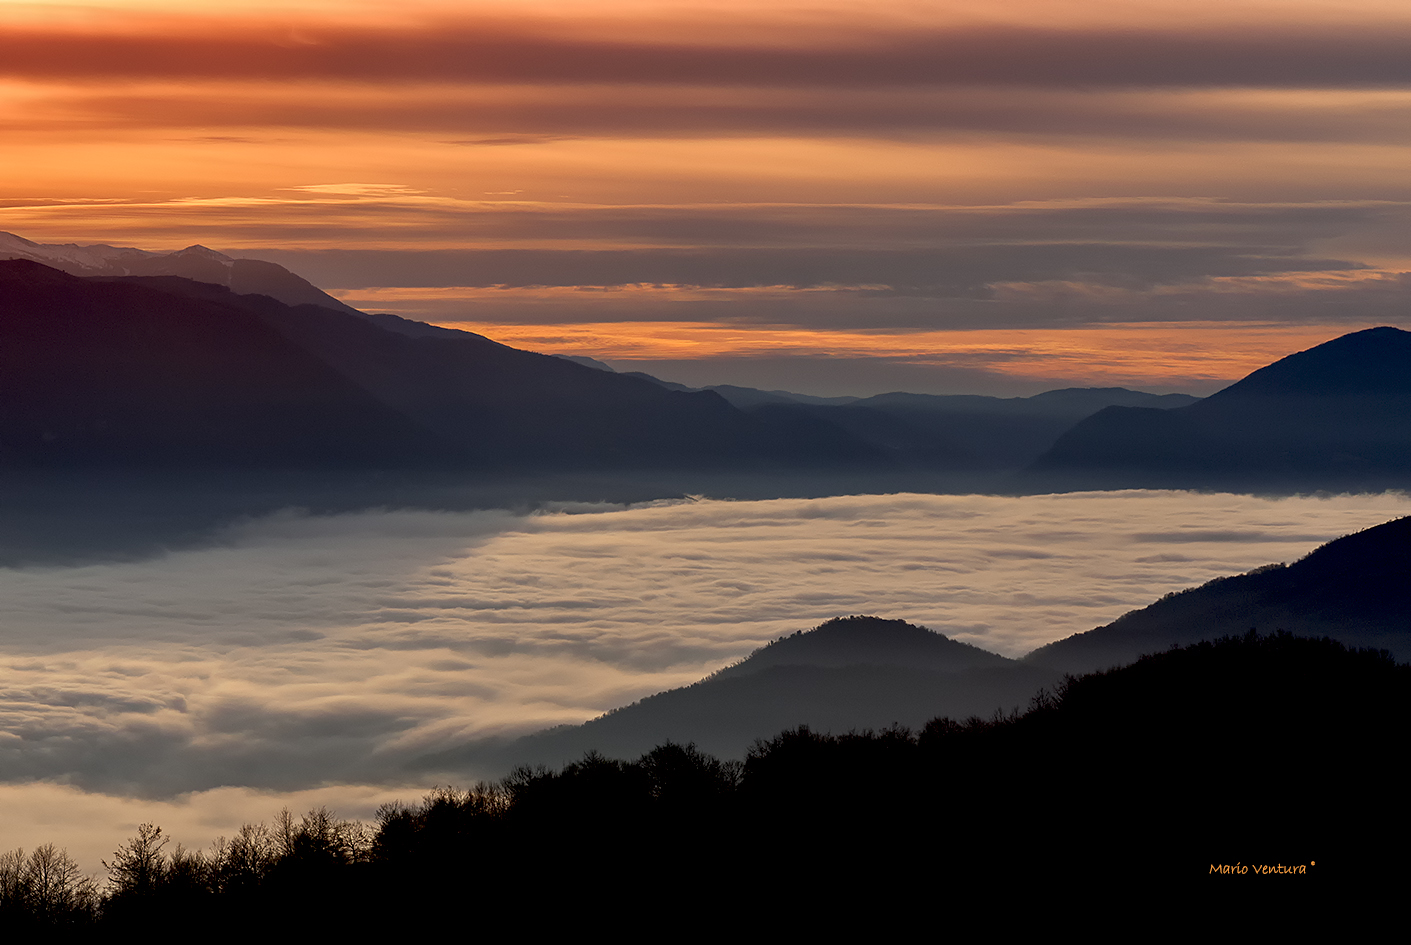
[[943, 272], [543, 115], [304, 651], [1365, 54]]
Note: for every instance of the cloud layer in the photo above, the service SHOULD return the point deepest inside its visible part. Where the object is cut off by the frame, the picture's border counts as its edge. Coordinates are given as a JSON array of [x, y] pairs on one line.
[[308, 660], [306, 650]]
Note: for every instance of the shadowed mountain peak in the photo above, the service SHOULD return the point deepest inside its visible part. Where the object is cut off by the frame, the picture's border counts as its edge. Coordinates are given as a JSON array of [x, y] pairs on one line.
[[1337, 416], [865, 641], [1373, 361], [850, 673]]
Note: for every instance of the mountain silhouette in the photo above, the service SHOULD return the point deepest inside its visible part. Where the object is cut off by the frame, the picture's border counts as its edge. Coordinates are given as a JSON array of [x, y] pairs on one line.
[[865, 641], [491, 407], [200, 264], [95, 373], [160, 370], [1353, 590], [858, 673], [849, 673], [968, 433], [411, 395], [1337, 416]]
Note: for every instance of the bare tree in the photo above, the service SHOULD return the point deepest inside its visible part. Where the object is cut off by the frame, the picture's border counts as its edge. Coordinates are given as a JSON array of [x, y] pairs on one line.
[[139, 864], [47, 888]]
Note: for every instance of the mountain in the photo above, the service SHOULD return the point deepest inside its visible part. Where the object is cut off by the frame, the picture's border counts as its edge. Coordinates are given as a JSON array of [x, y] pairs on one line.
[[155, 370], [1353, 590], [855, 673], [865, 641], [951, 432], [112, 374], [849, 673], [984, 433], [1337, 416], [496, 408], [959, 432], [748, 397], [200, 264]]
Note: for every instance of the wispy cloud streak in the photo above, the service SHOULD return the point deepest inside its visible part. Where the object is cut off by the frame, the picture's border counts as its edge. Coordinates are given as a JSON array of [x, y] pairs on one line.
[[1357, 55]]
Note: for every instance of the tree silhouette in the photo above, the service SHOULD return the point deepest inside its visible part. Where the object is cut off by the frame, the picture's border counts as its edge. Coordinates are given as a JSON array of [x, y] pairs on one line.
[[138, 865], [44, 890]]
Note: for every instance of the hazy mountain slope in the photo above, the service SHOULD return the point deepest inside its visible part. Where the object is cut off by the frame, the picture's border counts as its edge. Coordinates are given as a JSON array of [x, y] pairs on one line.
[[1335, 416], [866, 672], [964, 432], [742, 397], [104, 374], [200, 264], [506, 408], [849, 673], [1356, 590], [725, 716]]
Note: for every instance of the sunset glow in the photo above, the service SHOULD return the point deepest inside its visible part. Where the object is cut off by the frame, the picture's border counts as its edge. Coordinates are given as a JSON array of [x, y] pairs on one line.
[[1198, 356], [826, 382], [832, 172]]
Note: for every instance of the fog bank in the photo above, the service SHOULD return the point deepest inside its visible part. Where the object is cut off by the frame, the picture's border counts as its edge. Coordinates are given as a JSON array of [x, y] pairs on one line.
[[323, 653]]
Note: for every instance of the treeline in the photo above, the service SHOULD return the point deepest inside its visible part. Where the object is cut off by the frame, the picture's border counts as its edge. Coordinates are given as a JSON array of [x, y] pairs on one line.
[[1254, 750]]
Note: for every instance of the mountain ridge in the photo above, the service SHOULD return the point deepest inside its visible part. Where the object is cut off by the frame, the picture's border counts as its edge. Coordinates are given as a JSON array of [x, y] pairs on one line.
[[490, 405], [1350, 590], [864, 672], [1335, 416]]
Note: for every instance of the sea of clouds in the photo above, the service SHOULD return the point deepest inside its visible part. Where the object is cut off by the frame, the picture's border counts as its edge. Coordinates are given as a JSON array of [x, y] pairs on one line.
[[308, 660]]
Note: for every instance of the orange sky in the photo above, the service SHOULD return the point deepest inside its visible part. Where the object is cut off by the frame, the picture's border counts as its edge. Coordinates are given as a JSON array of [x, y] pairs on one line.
[[1232, 176]]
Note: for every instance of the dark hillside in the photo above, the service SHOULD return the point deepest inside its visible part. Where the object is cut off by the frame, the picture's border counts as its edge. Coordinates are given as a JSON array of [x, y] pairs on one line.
[[1356, 589], [1337, 416], [968, 433], [518, 410], [99, 374], [161, 371], [1255, 769], [850, 673]]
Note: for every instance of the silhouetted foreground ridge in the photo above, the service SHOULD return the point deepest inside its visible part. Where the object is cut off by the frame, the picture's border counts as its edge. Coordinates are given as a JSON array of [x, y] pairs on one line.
[[1257, 750]]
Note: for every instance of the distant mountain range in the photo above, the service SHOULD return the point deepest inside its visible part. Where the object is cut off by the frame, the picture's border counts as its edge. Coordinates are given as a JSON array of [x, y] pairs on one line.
[[195, 359], [954, 432], [856, 673], [161, 371]]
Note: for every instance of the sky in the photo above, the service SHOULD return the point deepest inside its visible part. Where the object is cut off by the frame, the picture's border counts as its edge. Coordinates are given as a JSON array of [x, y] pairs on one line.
[[298, 660], [832, 197]]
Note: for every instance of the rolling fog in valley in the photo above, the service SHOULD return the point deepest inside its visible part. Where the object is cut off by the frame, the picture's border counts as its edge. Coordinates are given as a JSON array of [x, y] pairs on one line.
[[318, 660]]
